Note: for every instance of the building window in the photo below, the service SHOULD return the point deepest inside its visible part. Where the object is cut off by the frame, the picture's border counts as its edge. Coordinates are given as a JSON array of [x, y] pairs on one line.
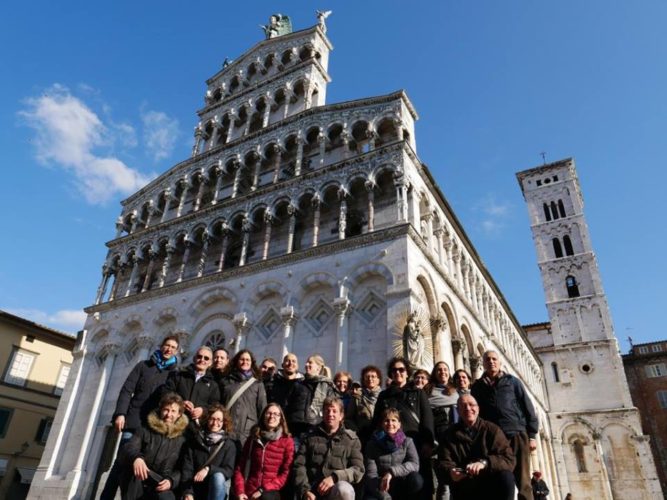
[[547, 212], [567, 243], [572, 287], [558, 251], [656, 348], [579, 455], [554, 367], [5, 418], [554, 210], [657, 370], [43, 430], [662, 398], [62, 379], [561, 208], [19, 368], [643, 349]]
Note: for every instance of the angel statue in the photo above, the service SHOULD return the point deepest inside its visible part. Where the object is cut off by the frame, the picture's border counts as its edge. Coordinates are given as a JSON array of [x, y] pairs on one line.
[[414, 346], [321, 17], [278, 25]]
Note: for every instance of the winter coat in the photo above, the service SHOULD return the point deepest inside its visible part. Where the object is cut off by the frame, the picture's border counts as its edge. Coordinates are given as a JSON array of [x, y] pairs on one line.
[[196, 455], [269, 468], [443, 406], [359, 413], [412, 404], [282, 388], [301, 413], [160, 446], [248, 407], [203, 393], [321, 455], [399, 463], [488, 442], [138, 396], [506, 404]]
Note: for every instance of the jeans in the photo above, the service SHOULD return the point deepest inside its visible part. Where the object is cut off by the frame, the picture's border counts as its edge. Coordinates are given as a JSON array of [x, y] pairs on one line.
[[217, 487]]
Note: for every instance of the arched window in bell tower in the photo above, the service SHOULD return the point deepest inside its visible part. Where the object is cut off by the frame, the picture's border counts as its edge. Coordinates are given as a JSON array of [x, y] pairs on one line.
[[554, 368], [558, 251], [567, 243], [561, 208], [572, 287], [554, 210], [547, 213], [578, 448]]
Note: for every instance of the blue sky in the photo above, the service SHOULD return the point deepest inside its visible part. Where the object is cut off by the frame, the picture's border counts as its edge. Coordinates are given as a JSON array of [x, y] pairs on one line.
[[96, 99]]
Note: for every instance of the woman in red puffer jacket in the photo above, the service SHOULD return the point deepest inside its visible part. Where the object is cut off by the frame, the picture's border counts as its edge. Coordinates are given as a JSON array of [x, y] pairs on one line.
[[267, 458]]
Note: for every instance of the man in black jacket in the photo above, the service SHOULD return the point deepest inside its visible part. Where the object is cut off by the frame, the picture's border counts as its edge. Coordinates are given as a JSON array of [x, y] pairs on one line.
[[503, 400], [195, 384], [138, 397]]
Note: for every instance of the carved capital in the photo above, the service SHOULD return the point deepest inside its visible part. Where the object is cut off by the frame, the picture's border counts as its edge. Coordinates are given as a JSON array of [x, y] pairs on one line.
[[241, 323], [475, 363], [288, 315], [458, 345]]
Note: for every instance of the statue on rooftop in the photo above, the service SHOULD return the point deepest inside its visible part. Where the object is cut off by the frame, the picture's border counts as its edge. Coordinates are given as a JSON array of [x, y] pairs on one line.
[[321, 17], [278, 25]]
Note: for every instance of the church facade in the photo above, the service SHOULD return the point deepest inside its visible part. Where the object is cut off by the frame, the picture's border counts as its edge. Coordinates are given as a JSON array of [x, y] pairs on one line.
[[296, 226]]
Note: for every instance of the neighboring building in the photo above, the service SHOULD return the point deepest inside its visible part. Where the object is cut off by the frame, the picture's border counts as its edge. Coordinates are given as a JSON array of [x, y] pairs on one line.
[[601, 451], [35, 362], [646, 369], [296, 226]]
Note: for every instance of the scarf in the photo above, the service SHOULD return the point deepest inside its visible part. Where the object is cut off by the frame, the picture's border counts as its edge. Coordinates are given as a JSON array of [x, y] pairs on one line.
[[211, 438], [245, 374], [161, 363], [274, 435], [389, 443]]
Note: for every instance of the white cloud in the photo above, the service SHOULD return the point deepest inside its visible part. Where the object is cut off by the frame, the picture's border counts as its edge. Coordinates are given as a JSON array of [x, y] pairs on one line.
[[68, 320], [68, 134], [493, 214], [160, 133]]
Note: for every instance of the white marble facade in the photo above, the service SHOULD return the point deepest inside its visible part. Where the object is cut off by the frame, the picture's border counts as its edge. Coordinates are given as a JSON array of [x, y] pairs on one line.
[[296, 226]]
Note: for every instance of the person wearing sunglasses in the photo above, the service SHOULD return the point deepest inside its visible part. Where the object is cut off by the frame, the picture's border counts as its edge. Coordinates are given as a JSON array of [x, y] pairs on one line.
[[415, 412], [195, 384]]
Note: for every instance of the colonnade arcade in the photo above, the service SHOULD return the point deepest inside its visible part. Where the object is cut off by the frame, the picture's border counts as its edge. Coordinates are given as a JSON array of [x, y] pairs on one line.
[[271, 227], [246, 168]]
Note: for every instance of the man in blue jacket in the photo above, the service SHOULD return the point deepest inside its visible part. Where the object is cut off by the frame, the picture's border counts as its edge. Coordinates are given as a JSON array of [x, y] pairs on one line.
[[503, 400], [138, 397]]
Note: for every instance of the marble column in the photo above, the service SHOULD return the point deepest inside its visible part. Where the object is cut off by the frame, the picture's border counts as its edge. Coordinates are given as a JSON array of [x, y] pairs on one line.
[[458, 347], [224, 232], [169, 252], [152, 254], [204, 251], [370, 186], [316, 220], [186, 257], [237, 177], [101, 290], [203, 181], [218, 183], [291, 210], [133, 275], [241, 326], [322, 142], [288, 316], [181, 202], [341, 306], [246, 227], [342, 216], [277, 153], [299, 155], [401, 185], [268, 221]]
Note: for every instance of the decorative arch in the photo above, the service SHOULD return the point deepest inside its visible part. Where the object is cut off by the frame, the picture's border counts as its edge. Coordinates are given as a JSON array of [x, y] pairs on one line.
[[266, 289], [371, 268], [218, 294]]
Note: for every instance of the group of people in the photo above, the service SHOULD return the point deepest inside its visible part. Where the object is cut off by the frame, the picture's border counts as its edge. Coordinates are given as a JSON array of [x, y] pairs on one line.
[[222, 426]]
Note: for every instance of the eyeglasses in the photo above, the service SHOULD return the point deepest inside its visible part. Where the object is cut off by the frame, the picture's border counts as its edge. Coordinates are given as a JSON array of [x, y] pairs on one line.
[[201, 356], [272, 414], [215, 419], [398, 370]]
